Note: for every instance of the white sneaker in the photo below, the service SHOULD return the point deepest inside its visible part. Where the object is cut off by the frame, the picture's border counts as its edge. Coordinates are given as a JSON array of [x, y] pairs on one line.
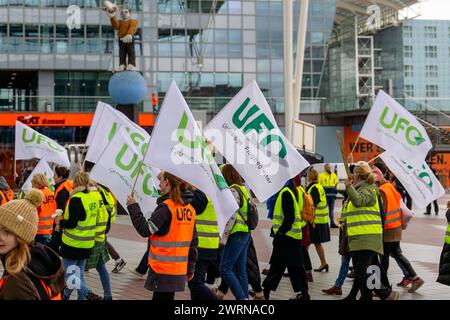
[[136, 274], [130, 67], [120, 68]]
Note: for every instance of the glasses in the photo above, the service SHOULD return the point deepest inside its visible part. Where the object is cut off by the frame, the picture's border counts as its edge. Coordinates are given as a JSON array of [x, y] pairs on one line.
[[4, 233]]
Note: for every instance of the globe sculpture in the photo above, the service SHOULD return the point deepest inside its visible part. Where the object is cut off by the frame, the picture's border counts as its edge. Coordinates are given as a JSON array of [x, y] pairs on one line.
[[127, 87]]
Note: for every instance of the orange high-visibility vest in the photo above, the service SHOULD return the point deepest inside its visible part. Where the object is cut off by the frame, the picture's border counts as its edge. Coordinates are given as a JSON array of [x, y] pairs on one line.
[[169, 254], [7, 195], [393, 209], [45, 212], [68, 185], [48, 290]]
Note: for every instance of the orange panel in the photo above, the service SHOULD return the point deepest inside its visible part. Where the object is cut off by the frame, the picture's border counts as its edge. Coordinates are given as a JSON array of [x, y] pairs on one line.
[[364, 150], [47, 119], [146, 119]]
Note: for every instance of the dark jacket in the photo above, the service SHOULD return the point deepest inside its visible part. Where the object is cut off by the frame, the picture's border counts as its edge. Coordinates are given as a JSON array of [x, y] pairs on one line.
[[444, 263], [77, 214], [62, 197], [159, 224], [44, 265]]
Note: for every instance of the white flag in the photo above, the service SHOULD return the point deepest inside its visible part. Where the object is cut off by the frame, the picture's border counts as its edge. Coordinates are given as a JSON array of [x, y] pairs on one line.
[[118, 168], [246, 134], [41, 167], [394, 128], [31, 144], [181, 150], [106, 122], [420, 182]]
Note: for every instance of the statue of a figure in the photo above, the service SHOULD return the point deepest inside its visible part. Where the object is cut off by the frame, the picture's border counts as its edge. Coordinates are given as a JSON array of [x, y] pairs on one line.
[[127, 28]]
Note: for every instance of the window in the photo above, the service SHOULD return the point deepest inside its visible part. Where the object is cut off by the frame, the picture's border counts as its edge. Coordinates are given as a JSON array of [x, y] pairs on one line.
[[409, 71], [408, 51], [431, 71], [430, 32], [407, 31], [432, 90], [430, 52], [409, 90]]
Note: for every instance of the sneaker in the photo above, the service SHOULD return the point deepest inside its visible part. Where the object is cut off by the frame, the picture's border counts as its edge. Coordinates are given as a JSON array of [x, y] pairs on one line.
[[92, 296], [393, 296], [119, 266], [416, 284], [137, 274], [218, 293], [351, 275], [406, 281], [301, 297]]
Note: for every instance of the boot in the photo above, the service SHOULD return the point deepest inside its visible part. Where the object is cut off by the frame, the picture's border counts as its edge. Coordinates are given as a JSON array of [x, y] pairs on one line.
[[393, 296], [416, 284], [333, 290], [259, 296]]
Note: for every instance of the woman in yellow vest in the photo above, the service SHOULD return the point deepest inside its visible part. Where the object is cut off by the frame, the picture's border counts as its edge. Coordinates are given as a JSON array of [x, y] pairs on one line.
[[234, 255], [444, 263], [172, 236], [365, 233], [46, 210], [78, 236], [287, 248], [320, 232]]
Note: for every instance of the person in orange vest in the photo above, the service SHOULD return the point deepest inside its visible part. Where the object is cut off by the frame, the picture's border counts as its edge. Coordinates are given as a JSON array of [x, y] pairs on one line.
[[63, 187], [32, 271], [46, 210], [6, 194], [392, 229], [154, 101], [172, 235]]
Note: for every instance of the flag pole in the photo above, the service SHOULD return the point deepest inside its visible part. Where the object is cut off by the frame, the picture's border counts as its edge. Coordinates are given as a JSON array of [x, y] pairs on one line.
[[373, 159], [344, 158]]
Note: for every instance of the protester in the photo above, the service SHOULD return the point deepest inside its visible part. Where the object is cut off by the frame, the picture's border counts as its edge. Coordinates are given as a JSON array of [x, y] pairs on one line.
[[444, 262], [329, 181], [320, 233], [364, 230], [233, 261], [32, 271], [63, 187], [6, 193], [78, 235], [99, 256], [287, 250], [46, 210], [392, 233], [170, 264]]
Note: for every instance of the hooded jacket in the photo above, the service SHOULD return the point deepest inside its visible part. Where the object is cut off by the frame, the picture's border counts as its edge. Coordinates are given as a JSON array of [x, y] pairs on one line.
[[44, 265], [159, 224]]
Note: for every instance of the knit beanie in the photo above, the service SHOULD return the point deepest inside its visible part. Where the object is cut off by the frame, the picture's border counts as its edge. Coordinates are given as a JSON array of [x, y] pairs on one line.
[[21, 217]]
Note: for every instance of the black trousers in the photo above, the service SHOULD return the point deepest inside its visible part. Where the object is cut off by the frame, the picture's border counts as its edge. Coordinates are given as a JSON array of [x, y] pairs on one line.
[[127, 49], [163, 296], [392, 249], [297, 275], [362, 260], [436, 207]]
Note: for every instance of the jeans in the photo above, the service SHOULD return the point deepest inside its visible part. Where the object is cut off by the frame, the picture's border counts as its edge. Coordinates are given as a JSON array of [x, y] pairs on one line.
[[233, 264], [74, 277], [199, 291], [343, 271], [330, 203], [43, 239], [392, 249], [104, 277], [362, 260]]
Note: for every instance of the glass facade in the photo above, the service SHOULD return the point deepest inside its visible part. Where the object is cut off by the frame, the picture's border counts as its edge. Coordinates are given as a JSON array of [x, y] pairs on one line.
[[210, 48]]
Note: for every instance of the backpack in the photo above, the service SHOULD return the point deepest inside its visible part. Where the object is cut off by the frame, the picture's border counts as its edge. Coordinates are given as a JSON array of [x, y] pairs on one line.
[[308, 212], [252, 211]]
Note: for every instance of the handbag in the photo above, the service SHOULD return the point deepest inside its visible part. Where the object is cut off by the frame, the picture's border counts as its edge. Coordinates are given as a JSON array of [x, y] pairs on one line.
[[407, 215]]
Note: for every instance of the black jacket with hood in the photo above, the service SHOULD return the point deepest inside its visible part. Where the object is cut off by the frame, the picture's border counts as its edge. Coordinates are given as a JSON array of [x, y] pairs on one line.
[[44, 265], [159, 224]]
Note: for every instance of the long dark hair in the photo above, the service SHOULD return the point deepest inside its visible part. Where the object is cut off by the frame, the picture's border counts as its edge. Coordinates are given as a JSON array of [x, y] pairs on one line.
[[231, 175]]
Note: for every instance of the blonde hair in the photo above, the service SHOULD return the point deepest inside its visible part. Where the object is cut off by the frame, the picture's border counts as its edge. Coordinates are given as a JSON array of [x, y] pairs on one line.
[[40, 180], [82, 180], [364, 172], [17, 259], [313, 175]]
